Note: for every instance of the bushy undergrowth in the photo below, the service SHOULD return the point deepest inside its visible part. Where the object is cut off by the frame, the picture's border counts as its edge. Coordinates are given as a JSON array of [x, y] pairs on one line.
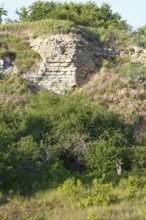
[[132, 70], [75, 199], [47, 138], [99, 193], [70, 144], [13, 85]]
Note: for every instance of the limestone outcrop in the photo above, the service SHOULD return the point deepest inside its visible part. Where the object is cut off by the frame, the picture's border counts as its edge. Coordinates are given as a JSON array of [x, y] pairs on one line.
[[68, 61]]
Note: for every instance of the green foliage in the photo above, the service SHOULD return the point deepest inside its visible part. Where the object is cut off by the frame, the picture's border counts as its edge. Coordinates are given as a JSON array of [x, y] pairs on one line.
[[51, 26], [139, 157], [101, 193], [102, 155], [129, 187], [96, 194], [45, 26], [37, 28], [139, 36], [86, 14], [14, 85], [25, 60], [133, 70], [3, 12], [142, 30], [72, 188], [100, 158], [54, 136], [18, 51], [57, 130], [37, 11], [105, 63]]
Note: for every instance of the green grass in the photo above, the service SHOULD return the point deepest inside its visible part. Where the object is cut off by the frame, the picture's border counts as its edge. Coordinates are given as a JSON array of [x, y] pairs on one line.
[[38, 28], [19, 51], [127, 69], [53, 205], [52, 26], [48, 26], [12, 85]]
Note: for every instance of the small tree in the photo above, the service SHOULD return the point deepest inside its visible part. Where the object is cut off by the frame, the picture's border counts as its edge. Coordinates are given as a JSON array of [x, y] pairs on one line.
[[2, 12], [23, 14]]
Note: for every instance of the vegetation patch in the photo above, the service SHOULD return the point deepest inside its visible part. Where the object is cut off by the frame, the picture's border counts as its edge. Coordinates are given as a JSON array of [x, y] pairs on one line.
[[18, 51]]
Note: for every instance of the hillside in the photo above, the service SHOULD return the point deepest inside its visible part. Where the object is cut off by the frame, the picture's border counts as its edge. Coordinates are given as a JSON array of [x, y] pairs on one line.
[[72, 118], [63, 61]]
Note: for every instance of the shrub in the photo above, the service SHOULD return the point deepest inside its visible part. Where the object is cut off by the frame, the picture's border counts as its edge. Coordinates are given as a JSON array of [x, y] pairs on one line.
[[129, 187], [96, 194], [73, 188]]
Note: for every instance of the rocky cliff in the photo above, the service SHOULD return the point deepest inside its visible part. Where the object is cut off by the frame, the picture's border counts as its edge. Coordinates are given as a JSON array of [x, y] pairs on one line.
[[68, 61]]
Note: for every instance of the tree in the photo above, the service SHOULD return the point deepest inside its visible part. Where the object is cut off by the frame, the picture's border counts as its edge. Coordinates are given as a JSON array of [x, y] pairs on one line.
[[90, 14], [86, 14], [37, 11], [142, 30], [40, 10], [2, 12], [23, 14]]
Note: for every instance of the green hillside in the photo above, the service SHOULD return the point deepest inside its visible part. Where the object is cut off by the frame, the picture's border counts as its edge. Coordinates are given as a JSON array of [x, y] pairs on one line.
[[60, 154]]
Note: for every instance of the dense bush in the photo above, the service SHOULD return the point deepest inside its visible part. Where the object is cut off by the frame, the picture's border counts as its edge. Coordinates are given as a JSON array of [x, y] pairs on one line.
[[57, 130]]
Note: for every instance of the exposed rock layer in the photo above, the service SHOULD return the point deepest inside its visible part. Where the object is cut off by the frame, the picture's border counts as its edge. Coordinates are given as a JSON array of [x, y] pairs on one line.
[[67, 61]]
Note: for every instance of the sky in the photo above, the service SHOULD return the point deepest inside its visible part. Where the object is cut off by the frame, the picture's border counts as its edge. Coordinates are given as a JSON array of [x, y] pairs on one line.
[[133, 11]]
